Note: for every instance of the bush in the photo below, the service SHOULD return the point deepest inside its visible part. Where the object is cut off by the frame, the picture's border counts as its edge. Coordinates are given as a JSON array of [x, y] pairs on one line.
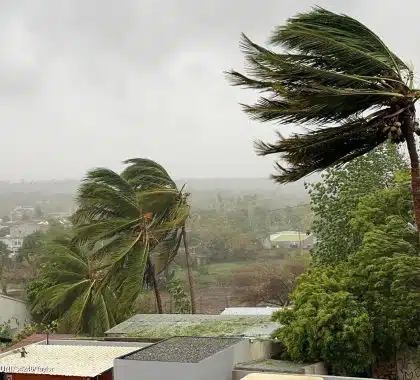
[[361, 311]]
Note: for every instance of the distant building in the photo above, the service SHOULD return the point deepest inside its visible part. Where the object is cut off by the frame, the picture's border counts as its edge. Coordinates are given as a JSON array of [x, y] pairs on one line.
[[19, 231], [250, 310], [289, 239], [22, 212]]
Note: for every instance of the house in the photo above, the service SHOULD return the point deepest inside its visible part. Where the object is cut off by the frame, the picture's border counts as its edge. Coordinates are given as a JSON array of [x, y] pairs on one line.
[[183, 358], [19, 231], [36, 338], [250, 310], [14, 311], [290, 239], [64, 360]]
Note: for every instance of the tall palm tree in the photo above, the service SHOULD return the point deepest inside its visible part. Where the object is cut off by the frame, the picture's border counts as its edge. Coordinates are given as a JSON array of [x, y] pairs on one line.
[[145, 174], [76, 293], [133, 219], [337, 78]]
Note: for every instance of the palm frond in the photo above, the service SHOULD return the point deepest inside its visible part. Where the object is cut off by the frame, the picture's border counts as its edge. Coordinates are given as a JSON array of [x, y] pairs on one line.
[[320, 149], [144, 174], [333, 74], [351, 45], [304, 88]]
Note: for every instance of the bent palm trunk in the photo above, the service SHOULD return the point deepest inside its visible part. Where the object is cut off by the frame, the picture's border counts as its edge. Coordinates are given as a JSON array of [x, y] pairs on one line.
[[190, 276], [153, 279], [408, 129]]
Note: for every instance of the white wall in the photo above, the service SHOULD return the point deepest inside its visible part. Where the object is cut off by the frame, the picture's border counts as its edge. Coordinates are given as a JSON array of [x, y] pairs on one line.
[[14, 310], [216, 367]]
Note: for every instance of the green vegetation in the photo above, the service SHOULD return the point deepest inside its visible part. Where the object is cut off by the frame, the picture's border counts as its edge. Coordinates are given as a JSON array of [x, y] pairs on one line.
[[357, 309], [230, 326], [127, 229], [339, 193], [336, 77]]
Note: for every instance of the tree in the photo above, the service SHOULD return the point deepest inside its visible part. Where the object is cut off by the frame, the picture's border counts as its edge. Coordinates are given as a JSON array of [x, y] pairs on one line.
[[135, 220], [335, 197], [73, 291], [365, 309], [5, 267], [147, 175], [339, 78], [39, 213]]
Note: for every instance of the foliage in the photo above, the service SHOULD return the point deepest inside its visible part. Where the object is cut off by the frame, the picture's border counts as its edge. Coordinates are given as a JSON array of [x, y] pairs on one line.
[[5, 267], [334, 74], [366, 308], [134, 223], [72, 290], [334, 199], [179, 299]]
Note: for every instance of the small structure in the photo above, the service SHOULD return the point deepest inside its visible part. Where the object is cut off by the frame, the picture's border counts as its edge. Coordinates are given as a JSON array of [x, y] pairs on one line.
[[60, 361], [186, 358], [250, 310], [291, 239]]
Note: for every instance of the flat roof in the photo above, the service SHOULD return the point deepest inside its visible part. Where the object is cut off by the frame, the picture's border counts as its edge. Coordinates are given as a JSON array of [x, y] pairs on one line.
[[182, 349], [161, 326], [250, 310], [80, 361]]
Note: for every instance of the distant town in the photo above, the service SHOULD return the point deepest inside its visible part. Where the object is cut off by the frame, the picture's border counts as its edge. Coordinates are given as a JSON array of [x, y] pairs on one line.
[[23, 221]]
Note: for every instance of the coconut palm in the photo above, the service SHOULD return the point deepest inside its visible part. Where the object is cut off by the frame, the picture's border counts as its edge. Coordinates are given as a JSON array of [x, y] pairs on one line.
[[76, 293], [337, 78], [145, 174], [134, 219]]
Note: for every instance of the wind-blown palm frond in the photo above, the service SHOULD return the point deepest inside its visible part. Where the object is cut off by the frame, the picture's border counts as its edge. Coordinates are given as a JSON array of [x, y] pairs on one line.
[[145, 174], [322, 148], [76, 294], [126, 217], [332, 73]]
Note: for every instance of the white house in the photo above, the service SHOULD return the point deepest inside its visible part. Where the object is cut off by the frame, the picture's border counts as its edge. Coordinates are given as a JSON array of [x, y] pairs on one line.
[[15, 311]]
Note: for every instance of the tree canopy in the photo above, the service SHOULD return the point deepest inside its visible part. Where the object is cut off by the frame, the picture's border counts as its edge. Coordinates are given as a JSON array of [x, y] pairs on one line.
[[363, 308], [339, 81], [336, 196]]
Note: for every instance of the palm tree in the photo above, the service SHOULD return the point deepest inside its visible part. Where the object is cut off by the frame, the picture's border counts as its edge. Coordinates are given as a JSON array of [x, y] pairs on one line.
[[77, 293], [338, 77], [135, 219], [145, 174]]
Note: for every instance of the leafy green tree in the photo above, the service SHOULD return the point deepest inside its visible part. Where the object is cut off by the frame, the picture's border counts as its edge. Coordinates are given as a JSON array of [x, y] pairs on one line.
[[5, 267], [337, 77], [336, 196], [180, 302], [31, 245], [368, 307], [136, 222], [73, 290]]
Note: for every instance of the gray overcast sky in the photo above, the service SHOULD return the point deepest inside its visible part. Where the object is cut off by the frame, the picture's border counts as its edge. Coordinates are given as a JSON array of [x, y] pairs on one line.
[[87, 83]]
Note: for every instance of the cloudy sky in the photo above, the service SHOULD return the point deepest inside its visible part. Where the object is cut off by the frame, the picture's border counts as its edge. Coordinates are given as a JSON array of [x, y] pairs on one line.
[[86, 83]]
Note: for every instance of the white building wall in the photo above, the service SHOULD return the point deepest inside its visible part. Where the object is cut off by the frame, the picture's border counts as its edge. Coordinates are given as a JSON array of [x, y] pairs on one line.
[[14, 310]]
